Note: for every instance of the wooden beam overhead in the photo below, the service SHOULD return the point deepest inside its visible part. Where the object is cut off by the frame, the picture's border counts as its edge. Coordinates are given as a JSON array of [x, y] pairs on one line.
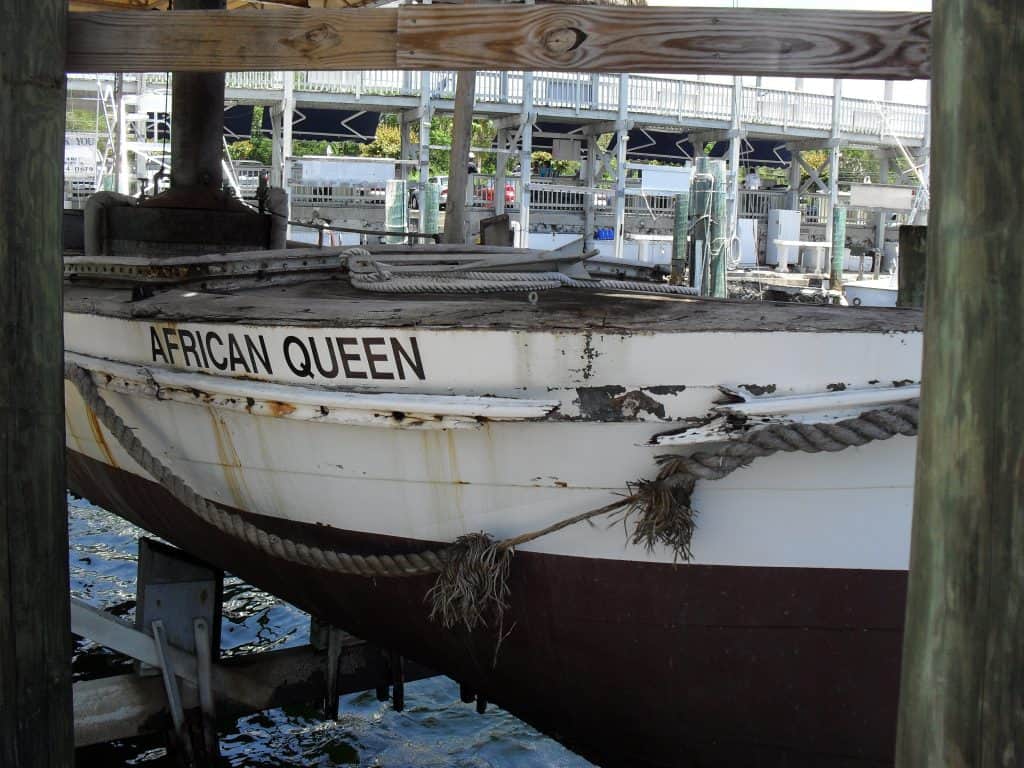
[[233, 41], [769, 42], [717, 41]]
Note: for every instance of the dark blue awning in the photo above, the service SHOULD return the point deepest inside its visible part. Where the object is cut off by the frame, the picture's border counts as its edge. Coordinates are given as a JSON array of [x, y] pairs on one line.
[[757, 152], [308, 123], [563, 130], [647, 144]]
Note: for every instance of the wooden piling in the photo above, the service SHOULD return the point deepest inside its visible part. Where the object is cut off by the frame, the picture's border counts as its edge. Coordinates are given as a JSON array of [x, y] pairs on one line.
[[455, 230], [35, 639], [962, 690], [912, 266], [700, 199], [838, 259], [680, 235], [197, 130], [719, 239]]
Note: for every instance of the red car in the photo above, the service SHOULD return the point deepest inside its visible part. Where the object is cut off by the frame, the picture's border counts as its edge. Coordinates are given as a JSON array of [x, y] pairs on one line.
[[510, 194]]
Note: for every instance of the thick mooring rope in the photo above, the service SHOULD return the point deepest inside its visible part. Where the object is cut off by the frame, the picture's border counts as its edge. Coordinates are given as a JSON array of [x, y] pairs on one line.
[[663, 506], [366, 274], [413, 564], [472, 573]]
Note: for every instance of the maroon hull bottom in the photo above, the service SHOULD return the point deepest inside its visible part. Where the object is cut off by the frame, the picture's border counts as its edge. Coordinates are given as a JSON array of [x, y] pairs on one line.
[[628, 663]]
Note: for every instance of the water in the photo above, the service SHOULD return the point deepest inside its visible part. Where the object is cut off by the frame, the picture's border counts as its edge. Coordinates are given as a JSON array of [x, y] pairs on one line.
[[436, 728]]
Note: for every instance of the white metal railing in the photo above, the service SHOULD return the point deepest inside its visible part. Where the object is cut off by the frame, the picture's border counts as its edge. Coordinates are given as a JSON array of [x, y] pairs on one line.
[[648, 95], [255, 81], [789, 109], [481, 191], [755, 204], [338, 195], [545, 196]]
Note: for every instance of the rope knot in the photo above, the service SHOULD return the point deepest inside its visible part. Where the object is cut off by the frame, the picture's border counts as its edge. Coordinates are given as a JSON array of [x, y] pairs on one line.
[[472, 587]]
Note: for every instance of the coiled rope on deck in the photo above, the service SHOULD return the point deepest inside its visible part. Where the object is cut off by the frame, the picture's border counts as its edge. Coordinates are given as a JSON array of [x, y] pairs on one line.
[[367, 274], [472, 573]]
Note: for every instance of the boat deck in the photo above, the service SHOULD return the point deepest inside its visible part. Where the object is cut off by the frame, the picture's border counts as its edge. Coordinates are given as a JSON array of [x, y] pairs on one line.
[[332, 302]]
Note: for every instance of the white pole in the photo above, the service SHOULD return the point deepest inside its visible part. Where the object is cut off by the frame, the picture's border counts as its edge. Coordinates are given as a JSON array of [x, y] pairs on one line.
[[589, 181], [500, 161], [120, 138], [525, 152], [793, 196], [426, 117], [734, 168], [622, 140], [833, 156]]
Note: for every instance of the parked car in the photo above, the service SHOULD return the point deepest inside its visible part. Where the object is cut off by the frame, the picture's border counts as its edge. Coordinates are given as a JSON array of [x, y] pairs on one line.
[[414, 194], [510, 193], [443, 181]]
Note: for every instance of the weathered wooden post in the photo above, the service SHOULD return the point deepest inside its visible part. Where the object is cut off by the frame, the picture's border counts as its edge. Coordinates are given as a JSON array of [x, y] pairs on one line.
[[962, 693], [458, 171], [680, 234], [197, 134], [835, 279], [700, 200], [912, 266], [719, 241], [35, 639]]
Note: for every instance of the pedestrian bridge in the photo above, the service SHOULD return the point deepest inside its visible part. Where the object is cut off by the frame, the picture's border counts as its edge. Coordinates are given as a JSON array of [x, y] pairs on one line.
[[654, 102]]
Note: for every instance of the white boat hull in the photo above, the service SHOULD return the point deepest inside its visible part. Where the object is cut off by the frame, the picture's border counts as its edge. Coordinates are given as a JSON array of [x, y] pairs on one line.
[[778, 643]]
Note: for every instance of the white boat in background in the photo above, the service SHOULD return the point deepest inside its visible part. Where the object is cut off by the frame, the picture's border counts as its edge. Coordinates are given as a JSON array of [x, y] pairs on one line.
[[379, 425], [877, 292]]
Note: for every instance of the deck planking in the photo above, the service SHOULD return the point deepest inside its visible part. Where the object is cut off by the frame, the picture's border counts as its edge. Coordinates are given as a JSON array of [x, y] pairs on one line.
[[332, 302]]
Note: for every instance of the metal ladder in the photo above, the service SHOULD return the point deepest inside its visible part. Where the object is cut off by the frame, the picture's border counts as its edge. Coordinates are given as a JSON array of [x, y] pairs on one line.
[[105, 96], [920, 171]]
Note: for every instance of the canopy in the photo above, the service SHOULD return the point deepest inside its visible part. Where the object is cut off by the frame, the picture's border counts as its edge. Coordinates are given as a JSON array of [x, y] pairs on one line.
[[649, 144], [308, 123]]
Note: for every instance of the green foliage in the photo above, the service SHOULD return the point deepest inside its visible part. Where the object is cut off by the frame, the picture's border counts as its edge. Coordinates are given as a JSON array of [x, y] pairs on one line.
[[303, 147], [858, 164], [258, 149], [387, 143], [83, 120], [560, 167]]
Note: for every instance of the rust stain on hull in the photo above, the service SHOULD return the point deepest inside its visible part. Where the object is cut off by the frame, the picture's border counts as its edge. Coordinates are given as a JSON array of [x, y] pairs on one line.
[[229, 461], [280, 409], [97, 433]]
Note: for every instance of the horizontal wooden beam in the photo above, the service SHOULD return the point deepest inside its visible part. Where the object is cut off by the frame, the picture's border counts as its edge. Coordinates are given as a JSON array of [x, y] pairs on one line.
[[717, 41], [770, 42], [233, 41]]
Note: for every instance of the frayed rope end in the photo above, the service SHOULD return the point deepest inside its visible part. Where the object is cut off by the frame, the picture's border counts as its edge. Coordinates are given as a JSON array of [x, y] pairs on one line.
[[663, 515], [472, 587]]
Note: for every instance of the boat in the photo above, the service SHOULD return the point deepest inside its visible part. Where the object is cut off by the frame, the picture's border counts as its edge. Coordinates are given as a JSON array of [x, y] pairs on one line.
[[345, 427]]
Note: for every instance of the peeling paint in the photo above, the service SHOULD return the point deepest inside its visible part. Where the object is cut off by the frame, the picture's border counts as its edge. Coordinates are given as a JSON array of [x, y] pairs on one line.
[[589, 355], [759, 389], [666, 389], [596, 402], [614, 403]]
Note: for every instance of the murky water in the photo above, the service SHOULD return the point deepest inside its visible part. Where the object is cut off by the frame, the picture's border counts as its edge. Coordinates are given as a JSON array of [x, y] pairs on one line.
[[436, 728]]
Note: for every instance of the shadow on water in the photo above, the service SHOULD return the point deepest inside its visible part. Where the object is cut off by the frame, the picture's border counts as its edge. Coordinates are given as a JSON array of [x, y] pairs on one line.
[[435, 730]]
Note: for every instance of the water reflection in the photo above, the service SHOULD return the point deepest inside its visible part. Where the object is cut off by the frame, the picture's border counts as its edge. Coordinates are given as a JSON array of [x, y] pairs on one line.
[[435, 730]]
